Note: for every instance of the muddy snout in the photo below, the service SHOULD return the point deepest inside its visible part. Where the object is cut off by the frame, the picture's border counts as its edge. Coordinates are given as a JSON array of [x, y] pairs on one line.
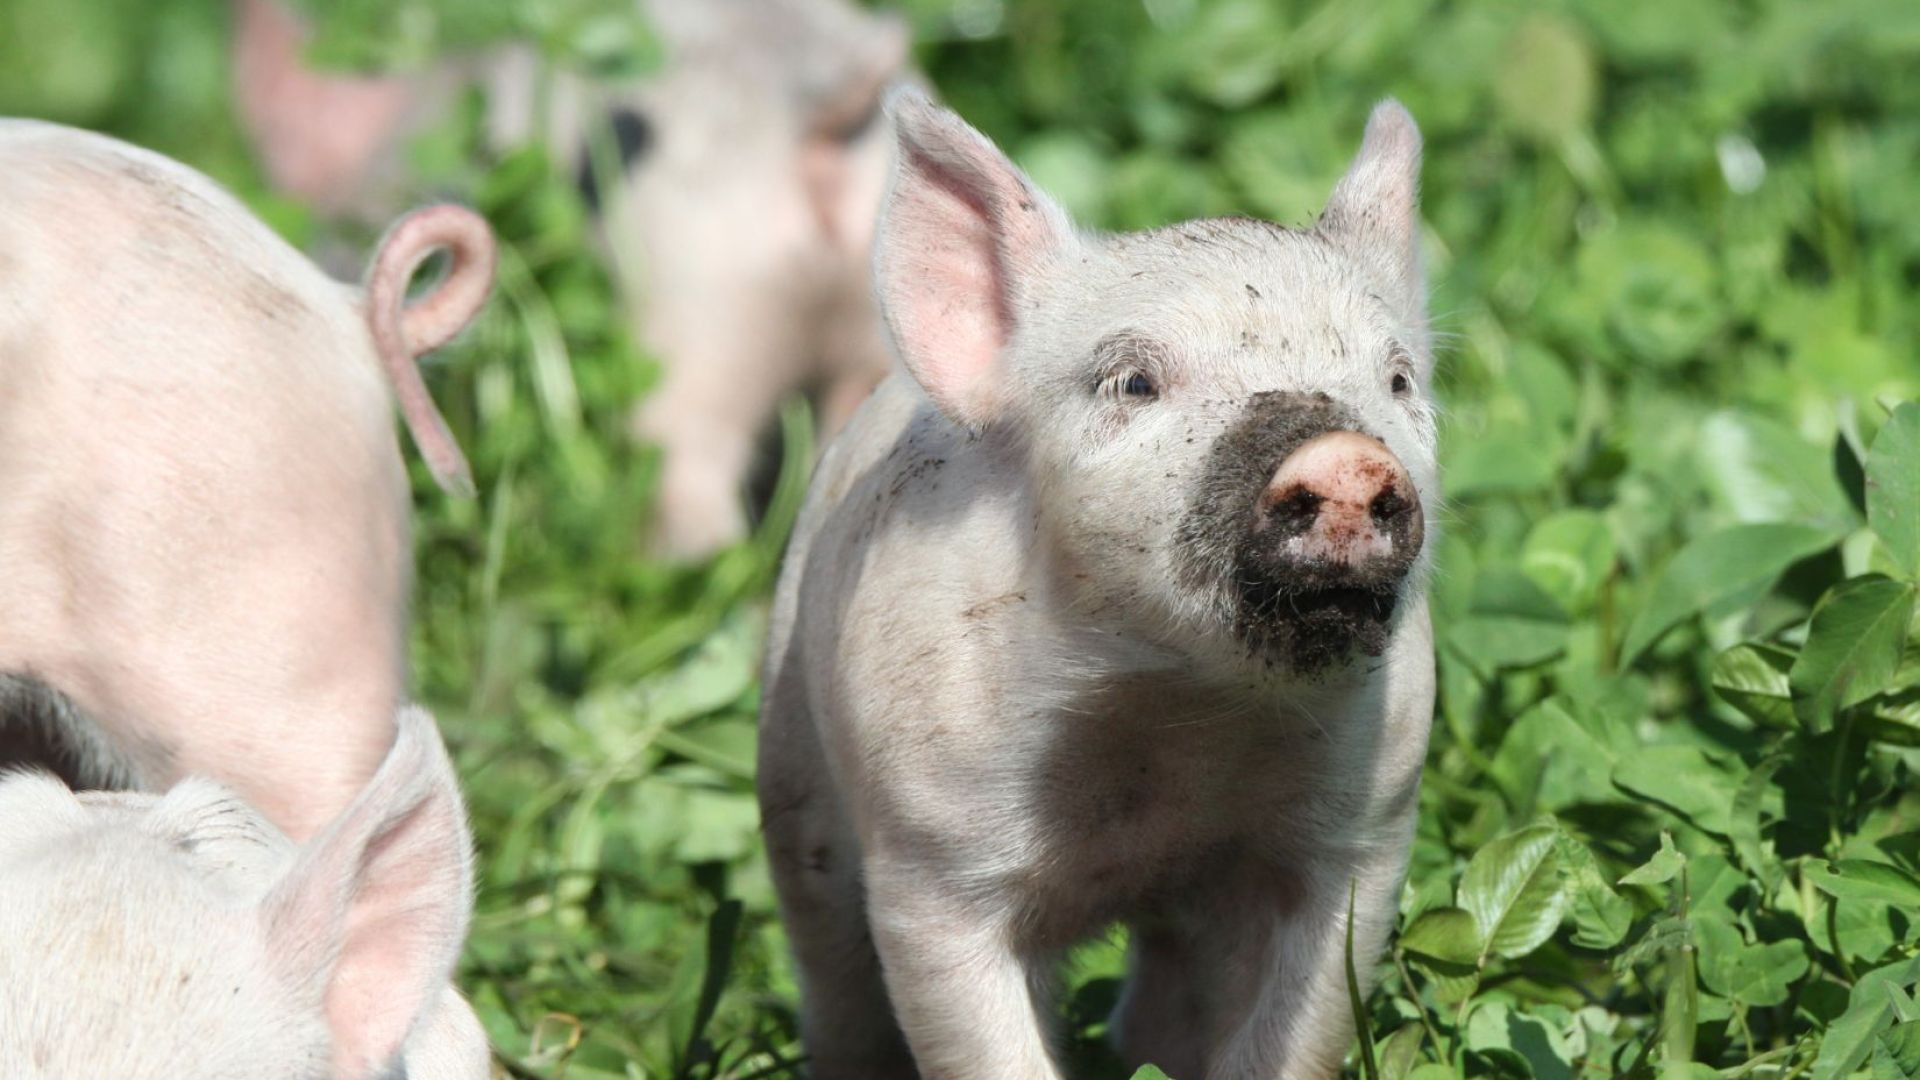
[[1341, 500], [1309, 526]]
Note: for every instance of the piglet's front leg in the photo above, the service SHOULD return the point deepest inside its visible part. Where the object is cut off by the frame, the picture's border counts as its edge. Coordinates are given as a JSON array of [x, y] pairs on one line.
[[1297, 1021], [968, 1000]]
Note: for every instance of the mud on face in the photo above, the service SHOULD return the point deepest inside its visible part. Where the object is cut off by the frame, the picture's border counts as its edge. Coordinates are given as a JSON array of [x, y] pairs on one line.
[[1303, 614]]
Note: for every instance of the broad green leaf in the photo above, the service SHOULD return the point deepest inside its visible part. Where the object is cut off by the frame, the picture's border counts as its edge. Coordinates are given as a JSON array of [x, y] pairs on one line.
[[1149, 1072], [1663, 935], [726, 744], [1601, 916], [1764, 470], [1715, 567], [1400, 1051], [1502, 591], [1870, 1011], [1661, 868], [1503, 461], [1569, 554], [1864, 879], [1897, 1057], [1550, 757], [1895, 717], [1512, 623], [1905, 1009], [1680, 777], [1493, 642], [1447, 934], [1893, 487], [715, 675], [1515, 891], [1496, 1030], [1853, 648], [1753, 678], [1743, 822], [1866, 930], [1760, 974], [1713, 883]]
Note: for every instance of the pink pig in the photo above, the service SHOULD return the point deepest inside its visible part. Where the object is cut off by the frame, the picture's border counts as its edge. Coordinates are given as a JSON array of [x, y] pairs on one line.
[[203, 508], [737, 195], [149, 936]]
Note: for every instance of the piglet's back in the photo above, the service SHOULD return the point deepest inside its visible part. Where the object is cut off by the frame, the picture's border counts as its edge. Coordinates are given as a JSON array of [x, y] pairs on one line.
[[198, 459], [104, 243]]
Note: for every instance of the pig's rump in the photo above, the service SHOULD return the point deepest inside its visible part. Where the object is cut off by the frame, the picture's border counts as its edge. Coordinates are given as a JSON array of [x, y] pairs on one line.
[[202, 524]]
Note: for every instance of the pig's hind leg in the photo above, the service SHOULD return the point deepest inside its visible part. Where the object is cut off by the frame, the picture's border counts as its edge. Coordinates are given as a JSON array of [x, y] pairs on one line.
[[846, 1018]]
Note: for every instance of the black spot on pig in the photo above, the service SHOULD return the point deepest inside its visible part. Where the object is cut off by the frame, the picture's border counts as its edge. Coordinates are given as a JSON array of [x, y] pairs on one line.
[[631, 136], [1304, 614]]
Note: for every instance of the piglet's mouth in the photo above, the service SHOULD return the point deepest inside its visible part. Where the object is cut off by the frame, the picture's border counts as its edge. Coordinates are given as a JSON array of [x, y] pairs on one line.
[[1348, 603], [1313, 625]]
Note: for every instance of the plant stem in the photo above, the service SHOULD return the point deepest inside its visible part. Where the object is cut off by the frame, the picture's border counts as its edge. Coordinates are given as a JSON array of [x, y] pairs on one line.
[[1833, 939], [1419, 1007]]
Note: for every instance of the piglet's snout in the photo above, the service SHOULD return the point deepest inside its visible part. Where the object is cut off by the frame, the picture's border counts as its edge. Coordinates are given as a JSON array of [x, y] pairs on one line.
[[1342, 498]]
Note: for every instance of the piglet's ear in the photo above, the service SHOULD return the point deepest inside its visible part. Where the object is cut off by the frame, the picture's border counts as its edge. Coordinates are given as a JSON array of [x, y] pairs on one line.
[[1374, 212], [961, 237], [373, 913]]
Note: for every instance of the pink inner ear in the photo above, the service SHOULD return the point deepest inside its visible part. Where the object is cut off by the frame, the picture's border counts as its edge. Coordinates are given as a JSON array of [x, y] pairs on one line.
[[945, 284], [373, 913], [397, 934]]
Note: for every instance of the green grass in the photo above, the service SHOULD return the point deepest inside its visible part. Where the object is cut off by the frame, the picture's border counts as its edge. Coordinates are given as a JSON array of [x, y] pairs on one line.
[[1670, 822]]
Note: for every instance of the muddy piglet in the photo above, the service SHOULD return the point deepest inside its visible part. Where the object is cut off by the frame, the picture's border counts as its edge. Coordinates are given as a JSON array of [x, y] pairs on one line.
[[183, 935], [1109, 608], [204, 513]]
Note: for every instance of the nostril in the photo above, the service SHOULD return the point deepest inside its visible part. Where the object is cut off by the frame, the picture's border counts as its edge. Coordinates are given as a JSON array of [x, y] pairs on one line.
[[1387, 506], [1293, 511]]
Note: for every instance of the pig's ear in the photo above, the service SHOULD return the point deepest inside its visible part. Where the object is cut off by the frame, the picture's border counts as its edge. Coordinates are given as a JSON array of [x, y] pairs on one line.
[[373, 913], [1374, 212], [961, 237]]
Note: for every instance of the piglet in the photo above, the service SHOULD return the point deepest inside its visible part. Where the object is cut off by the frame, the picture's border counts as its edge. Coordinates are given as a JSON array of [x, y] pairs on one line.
[[204, 513], [183, 935], [1109, 607], [735, 188]]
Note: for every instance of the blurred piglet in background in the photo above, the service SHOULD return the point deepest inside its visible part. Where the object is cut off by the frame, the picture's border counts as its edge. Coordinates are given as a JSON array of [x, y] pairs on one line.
[[206, 515], [737, 187], [144, 935]]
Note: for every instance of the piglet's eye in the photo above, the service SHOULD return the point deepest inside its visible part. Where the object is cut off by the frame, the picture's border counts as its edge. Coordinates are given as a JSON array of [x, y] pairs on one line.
[[1401, 384], [1137, 385]]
